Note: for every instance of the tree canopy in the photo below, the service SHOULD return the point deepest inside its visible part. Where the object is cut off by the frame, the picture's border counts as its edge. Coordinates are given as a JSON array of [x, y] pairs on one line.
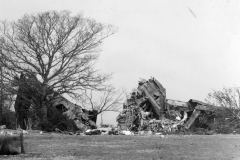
[[59, 48]]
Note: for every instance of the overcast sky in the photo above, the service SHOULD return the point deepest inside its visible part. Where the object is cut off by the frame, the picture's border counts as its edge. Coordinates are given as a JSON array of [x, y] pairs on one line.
[[190, 47]]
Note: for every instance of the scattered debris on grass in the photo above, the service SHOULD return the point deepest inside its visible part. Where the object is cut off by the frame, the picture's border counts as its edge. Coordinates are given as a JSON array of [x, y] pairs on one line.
[[147, 109]]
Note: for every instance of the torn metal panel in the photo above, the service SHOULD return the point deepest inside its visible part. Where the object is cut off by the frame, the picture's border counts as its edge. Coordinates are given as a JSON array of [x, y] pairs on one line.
[[155, 105], [155, 93], [160, 87], [179, 104], [205, 108], [194, 115], [194, 103]]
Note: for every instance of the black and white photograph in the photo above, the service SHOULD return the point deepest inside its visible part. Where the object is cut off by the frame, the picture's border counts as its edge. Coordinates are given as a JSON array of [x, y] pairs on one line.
[[120, 79]]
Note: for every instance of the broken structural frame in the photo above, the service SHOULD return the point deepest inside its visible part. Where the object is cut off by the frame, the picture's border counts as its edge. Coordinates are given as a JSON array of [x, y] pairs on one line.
[[148, 108]]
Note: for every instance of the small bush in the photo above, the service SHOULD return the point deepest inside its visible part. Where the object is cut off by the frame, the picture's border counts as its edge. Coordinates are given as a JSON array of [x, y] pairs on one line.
[[226, 120], [62, 126], [46, 126], [9, 118]]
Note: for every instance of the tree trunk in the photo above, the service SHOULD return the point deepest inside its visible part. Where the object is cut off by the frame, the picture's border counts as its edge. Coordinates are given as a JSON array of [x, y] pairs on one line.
[[44, 111], [44, 105], [101, 119], [1, 103]]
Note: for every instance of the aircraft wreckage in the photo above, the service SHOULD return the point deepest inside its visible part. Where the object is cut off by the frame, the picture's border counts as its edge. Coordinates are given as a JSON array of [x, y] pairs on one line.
[[148, 109]]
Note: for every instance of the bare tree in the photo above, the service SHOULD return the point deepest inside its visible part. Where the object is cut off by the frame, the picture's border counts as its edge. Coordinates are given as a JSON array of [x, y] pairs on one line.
[[228, 98], [110, 100], [56, 48]]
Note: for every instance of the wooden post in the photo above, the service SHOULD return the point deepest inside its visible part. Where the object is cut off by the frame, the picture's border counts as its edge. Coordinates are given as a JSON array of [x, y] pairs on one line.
[[21, 141]]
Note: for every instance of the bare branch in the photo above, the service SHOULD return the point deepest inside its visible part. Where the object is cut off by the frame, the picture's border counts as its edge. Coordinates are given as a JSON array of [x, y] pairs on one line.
[[110, 100]]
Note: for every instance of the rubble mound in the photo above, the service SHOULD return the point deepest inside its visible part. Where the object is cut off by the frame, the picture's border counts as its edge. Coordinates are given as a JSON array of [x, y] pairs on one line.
[[147, 109]]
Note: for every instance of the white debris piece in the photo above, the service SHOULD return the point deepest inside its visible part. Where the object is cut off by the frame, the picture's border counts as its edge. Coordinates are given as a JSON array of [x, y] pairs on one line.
[[3, 127], [89, 130], [25, 132], [128, 133]]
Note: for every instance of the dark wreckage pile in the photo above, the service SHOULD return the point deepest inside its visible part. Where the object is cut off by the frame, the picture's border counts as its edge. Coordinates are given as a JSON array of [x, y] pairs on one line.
[[147, 109]]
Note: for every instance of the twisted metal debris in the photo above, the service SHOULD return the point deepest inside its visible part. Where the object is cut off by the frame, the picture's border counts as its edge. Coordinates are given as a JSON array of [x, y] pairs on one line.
[[148, 109]]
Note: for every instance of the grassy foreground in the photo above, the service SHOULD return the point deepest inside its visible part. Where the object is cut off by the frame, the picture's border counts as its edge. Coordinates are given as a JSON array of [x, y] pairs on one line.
[[172, 147]]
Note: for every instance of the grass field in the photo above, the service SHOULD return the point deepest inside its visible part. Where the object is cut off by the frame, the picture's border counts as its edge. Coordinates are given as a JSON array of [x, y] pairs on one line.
[[172, 147]]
